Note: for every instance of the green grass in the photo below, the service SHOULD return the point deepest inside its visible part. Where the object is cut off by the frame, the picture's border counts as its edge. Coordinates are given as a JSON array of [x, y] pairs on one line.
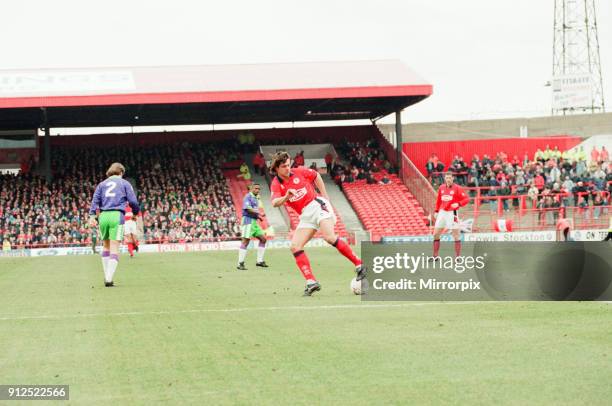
[[190, 329]]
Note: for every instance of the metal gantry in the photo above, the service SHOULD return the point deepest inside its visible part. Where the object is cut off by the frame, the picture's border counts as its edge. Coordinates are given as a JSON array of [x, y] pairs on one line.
[[576, 61]]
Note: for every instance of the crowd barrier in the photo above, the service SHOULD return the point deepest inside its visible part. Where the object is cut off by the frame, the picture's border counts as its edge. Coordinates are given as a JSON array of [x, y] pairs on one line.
[[480, 195]]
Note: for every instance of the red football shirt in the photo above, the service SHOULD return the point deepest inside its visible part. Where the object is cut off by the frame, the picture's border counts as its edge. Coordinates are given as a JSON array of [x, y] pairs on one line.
[[449, 195], [301, 180]]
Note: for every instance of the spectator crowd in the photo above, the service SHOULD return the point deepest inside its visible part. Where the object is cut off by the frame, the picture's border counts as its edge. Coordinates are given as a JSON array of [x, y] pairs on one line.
[[184, 196], [550, 179], [182, 191], [363, 162]]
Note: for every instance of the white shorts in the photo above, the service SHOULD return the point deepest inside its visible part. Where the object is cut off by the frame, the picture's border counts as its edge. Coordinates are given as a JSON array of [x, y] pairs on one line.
[[314, 212], [130, 227], [447, 220]]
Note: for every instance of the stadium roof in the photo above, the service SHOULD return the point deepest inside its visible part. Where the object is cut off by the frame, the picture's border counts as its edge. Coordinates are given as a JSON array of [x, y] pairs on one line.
[[207, 94]]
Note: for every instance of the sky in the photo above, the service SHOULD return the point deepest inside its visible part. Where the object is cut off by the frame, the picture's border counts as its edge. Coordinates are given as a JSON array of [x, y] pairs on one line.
[[485, 58]]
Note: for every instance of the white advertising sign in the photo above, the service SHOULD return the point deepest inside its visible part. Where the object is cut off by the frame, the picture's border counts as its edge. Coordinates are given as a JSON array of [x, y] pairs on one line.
[[62, 82], [149, 248], [514, 236], [572, 91], [588, 235]]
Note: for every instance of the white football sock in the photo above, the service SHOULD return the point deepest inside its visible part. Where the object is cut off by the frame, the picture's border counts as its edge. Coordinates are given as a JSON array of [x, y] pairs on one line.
[[260, 253], [112, 267], [241, 255], [105, 268]]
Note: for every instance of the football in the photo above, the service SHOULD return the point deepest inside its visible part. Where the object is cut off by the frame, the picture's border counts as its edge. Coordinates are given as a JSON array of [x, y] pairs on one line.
[[359, 287]]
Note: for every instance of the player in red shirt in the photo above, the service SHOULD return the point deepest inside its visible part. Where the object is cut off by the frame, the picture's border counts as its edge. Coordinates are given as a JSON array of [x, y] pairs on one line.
[[130, 231], [450, 198], [295, 187]]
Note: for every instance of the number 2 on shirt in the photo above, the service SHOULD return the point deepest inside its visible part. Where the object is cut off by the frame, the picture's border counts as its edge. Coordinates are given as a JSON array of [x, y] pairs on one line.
[[110, 186]]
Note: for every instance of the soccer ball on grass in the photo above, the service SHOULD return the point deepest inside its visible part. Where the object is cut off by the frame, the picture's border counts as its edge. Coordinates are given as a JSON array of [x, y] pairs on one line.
[[359, 287]]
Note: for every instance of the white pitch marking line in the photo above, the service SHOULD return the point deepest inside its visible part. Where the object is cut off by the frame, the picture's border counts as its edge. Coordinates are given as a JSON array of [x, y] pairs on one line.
[[236, 310], [249, 309]]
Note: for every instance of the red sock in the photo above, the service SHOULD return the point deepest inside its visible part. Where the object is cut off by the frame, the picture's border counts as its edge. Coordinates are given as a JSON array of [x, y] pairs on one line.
[[131, 248], [457, 248], [346, 250], [303, 264], [436, 248]]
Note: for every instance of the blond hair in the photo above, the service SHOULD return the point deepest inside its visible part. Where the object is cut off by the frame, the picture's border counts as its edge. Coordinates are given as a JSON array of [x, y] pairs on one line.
[[116, 169]]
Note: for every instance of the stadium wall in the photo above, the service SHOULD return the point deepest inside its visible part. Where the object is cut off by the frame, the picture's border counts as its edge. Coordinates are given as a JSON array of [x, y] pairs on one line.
[[596, 141], [419, 152], [583, 125]]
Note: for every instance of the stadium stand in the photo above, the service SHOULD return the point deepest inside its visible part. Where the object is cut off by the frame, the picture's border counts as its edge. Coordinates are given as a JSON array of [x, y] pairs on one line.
[[535, 189], [182, 191], [386, 209], [378, 196], [179, 181], [191, 200], [382, 201], [190, 190]]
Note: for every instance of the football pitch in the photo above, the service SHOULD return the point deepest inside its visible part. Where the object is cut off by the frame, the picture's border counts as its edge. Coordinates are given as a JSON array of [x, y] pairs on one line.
[[191, 329]]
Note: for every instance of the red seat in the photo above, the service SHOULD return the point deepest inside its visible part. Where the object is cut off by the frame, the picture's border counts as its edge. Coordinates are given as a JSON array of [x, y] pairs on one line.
[[386, 209]]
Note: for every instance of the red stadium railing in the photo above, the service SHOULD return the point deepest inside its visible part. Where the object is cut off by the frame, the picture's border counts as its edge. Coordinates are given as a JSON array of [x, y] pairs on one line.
[[418, 185], [525, 202], [590, 217]]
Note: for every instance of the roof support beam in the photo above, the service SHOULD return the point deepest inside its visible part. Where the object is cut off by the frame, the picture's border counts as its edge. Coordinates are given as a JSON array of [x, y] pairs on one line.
[[47, 145], [398, 140]]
